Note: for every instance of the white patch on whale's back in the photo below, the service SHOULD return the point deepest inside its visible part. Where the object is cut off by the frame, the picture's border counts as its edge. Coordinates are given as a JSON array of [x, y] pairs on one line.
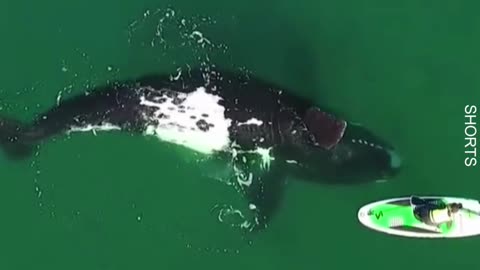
[[251, 121], [179, 128]]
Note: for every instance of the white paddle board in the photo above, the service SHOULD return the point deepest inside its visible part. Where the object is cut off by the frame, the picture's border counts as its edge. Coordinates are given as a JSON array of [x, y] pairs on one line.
[[395, 216]]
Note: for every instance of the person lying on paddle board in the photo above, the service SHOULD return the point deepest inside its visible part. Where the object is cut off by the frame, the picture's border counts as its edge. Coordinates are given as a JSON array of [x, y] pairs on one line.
[[434, 212]]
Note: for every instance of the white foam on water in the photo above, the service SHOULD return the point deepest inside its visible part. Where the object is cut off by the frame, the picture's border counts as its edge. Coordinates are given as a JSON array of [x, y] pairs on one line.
[[264, 153], [246, 178], [236, 218], [266, 156], [216, 138], [93, 128], [242, 179]]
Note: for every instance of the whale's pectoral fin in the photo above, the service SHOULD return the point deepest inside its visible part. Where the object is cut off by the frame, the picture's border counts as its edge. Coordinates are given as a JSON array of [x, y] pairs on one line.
[[265, 195], [263, 187]]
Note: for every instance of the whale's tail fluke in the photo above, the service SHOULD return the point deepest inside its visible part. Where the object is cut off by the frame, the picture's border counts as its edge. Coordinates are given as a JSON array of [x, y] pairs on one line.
[[11, 142]]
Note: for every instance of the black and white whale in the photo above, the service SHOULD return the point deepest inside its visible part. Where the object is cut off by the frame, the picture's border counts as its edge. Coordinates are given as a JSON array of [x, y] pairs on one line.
[[259, 130]]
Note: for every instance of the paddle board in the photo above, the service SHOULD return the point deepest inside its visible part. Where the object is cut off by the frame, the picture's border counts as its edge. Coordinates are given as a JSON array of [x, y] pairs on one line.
[[395, 216]]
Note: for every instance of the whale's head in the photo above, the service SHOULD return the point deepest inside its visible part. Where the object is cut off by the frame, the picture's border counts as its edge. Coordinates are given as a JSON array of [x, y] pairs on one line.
[[348, 152], [363, 154]]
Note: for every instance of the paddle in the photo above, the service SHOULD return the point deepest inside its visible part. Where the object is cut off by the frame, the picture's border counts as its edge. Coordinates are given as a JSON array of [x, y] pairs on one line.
[[471, 211]]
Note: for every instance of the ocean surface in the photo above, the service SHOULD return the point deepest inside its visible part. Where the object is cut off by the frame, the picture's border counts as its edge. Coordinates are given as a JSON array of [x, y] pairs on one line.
[[406, 69]]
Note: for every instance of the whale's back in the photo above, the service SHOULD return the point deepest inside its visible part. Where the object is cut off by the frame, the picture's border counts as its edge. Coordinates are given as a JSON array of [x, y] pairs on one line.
[[195, 120]]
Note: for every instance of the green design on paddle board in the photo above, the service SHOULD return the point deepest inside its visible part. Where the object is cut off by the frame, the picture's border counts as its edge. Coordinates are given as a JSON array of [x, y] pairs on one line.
[[388, 215]]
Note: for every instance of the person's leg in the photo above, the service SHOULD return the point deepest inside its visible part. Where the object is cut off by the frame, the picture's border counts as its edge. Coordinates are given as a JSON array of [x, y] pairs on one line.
[[416, 213], [415, 200], [422, 213]]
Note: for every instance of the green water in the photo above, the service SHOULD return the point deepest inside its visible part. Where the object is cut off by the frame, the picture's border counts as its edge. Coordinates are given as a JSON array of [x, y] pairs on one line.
[[404, 68]]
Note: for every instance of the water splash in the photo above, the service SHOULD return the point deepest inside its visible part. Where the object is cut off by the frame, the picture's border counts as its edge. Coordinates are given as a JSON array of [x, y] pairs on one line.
[[172, 33]]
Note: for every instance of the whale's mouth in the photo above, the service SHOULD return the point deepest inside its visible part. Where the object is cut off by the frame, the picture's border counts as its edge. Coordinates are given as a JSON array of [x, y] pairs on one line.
[[326, 129]]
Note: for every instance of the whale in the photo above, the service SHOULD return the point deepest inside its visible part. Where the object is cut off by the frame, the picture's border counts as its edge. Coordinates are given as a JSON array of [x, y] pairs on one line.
[[261, 131]]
